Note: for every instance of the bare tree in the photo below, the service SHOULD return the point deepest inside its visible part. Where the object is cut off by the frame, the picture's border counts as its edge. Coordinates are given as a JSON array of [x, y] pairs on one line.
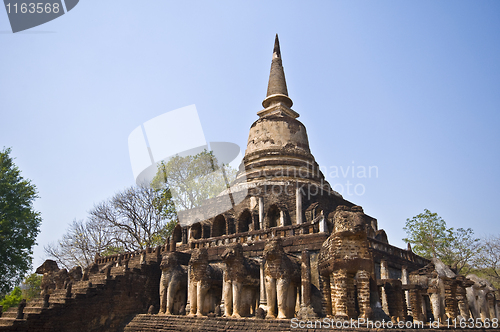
[[134, 217], [488, 261], [80, 244]]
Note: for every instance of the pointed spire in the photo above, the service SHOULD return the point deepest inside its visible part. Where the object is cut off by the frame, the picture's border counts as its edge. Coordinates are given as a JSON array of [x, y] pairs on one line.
[[276, 89]]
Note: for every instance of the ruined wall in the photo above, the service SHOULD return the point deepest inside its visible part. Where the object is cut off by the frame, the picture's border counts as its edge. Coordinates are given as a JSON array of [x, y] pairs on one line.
[[107, 305]]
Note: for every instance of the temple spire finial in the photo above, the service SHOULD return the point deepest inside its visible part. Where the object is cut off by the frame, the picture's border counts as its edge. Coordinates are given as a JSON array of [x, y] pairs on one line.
[[277, 47], [276, 90]]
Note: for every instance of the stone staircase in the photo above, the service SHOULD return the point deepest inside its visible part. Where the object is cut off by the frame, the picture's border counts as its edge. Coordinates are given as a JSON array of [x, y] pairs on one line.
[[161, 323], [86, 298], [34, 308]]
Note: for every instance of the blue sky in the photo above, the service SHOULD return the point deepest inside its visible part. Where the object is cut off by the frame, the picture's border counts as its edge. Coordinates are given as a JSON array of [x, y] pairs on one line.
[[410, 87]]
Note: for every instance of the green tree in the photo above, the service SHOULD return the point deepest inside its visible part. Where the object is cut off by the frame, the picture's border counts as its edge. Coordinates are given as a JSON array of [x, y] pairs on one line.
[[189, 181], [12, 299], [19, 223], [427, 233], [431, 238], [31, 286]]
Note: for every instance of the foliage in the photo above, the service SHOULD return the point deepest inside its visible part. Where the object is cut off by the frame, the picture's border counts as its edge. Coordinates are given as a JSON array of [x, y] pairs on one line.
[[488, 260], [19, 223], [12, 299], [461, 250], [430, 238], [31, 286], [142, 216], [191, 180], [427, 233]]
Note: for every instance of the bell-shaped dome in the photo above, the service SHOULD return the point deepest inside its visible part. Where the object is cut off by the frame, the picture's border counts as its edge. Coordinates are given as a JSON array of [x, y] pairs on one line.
[[278, 147]]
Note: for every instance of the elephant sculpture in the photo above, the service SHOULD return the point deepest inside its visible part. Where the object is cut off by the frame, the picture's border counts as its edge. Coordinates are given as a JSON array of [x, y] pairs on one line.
[[344, 257], [241, 282], [173, 284], [53, 277], [282, 277], [481, 298], [205, 283]]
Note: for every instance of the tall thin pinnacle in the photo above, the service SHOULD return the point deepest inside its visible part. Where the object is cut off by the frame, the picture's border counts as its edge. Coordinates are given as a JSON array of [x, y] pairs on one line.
[[276, 90]]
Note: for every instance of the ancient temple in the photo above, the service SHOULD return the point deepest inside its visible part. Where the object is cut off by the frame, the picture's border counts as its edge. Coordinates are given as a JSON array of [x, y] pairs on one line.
[[290, 248]]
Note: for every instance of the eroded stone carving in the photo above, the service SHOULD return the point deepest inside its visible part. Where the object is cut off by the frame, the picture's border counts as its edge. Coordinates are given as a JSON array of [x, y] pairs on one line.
[[53, 277], [241, 282], [173, 284], [282, 277], [205, 283], [345, 257]]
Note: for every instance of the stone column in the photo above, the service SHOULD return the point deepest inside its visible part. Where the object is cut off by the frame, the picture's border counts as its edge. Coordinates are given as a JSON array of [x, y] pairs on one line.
[[306, 279], [450, 298], [263, 300], [261, 212], [463, 303], [363, 288], [384, 270], [322, 224], [404, 281], [343, 295], [298, 205], [282, 218], [416, 304], [384, 274], [435, 303], [188, 302], [327, 298]]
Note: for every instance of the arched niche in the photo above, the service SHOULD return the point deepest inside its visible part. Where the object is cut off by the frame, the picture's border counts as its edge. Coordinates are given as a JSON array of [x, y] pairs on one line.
[[245, 221], [196, 231], [273, 216], [177, 234], [219, 226]]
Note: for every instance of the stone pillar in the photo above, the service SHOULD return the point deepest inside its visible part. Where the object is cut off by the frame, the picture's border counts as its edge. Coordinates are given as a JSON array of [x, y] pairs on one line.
[[261, 212], [450, 299], [416, 304], [384, 270], [404, 281], [282, 218], [306, 279], [327, 297], [298, 201], [20, 309], [435, 304], [463, 303], [322, 225], [45, 303], [263, 299], [343, 295], [189, 234], [188, 302], [184, 236], [363, 288], [491, 305], [384, 274]]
